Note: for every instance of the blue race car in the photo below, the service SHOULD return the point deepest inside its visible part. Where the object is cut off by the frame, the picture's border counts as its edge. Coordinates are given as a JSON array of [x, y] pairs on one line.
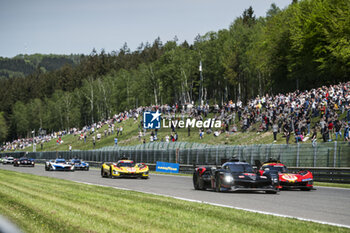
[[59, 165], [80, 164]]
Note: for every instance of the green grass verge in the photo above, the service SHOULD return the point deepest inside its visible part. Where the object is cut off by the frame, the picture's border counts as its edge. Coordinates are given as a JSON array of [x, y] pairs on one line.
[[337, 185], [42, 204]]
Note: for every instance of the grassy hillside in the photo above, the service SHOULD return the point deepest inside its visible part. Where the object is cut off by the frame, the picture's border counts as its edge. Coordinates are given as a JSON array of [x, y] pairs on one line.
[[131, 132]]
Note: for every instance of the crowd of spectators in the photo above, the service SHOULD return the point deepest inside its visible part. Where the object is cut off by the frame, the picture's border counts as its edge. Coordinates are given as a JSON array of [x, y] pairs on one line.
[[299, 115]]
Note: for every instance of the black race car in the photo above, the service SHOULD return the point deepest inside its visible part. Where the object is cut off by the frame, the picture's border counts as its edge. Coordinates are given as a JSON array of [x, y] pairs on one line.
[[24, 161], [233, 176]]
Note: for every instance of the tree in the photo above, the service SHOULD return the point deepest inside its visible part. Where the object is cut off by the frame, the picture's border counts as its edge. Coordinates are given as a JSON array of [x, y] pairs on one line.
[[3, 128], [20, 120]]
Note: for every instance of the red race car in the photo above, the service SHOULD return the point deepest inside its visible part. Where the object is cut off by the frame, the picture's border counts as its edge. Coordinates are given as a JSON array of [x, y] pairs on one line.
[[302, 180]]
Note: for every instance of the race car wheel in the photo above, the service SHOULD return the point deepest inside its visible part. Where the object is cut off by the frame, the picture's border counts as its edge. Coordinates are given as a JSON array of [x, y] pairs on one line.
[[111, 172], [305, 189], [195, 181], [217, 183], [87, 169], [145, 177], [271, 192], [198, 183], [103, 174]]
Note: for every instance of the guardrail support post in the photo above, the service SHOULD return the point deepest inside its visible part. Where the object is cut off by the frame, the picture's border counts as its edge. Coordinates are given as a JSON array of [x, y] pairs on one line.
[[315, 155]]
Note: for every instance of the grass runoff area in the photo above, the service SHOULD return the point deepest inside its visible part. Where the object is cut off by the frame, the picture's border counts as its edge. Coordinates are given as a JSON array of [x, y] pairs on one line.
[[131, 131], [42, 204], [337, 185]]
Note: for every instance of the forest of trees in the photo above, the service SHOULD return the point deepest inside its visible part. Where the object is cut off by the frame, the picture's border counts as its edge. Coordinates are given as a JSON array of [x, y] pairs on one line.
[[23, 64], [303, 46]]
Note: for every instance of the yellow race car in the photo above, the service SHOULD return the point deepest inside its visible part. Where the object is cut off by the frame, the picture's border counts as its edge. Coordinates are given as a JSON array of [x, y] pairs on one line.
[[124, 168]]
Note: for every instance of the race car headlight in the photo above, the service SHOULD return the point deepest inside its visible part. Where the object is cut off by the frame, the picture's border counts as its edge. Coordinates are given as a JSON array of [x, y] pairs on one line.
[[275, 180], [115, 172], [307, 179], [228, 178]]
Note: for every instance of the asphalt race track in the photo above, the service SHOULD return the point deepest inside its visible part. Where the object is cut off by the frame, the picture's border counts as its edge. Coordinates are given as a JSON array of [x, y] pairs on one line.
[[330, 205]]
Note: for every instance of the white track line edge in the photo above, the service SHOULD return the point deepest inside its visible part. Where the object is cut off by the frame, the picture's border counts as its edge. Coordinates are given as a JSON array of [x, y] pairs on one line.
[[220, 205]]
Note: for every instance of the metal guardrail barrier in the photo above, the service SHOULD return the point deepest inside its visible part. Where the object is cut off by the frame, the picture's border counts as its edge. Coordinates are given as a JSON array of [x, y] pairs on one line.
[[321, 174]]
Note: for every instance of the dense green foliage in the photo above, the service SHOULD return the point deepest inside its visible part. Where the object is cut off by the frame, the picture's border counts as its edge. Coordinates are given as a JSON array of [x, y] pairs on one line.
[[23, 65], [303, 46], [43, 204]]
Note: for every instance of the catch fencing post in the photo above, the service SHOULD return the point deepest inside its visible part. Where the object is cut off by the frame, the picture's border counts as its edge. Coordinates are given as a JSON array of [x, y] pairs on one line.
[[298, 151], [315, 155], [335, 154], [217, 154], [328, 157]]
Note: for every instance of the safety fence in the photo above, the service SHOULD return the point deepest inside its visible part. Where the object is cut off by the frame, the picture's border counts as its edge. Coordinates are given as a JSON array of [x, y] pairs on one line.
[[331, 154]]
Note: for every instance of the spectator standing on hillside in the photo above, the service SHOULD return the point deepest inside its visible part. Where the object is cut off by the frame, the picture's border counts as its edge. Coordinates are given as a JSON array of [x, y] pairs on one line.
[[140, 135], [346, 132], [330, 129], [338, 129], [322, 125], [115, 141], [275, 131], [201, 134], [93, 141], [314, 137], [70, 147], [121, 130], [286, 131], [325, 134], [308, 123]]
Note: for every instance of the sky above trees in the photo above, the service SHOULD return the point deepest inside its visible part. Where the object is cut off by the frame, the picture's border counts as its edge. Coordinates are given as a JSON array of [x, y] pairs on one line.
[[65, 26]]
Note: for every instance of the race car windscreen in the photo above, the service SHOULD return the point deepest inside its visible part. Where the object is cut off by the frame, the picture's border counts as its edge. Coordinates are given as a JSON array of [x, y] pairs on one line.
[[240, 168], [125, 165], [60, 161], [275, 168]]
